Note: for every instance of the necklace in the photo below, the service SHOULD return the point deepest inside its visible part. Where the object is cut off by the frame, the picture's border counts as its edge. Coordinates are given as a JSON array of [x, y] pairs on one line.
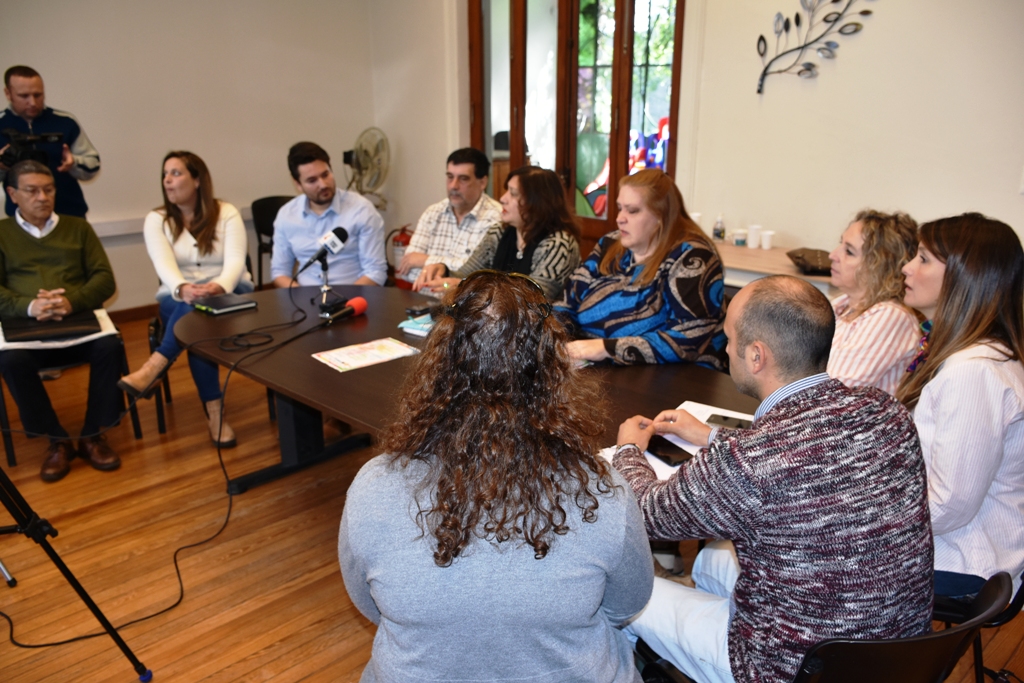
[[922, 347]]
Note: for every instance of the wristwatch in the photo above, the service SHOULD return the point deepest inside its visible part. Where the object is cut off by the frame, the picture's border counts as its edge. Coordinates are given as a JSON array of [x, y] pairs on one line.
[[177, 290], [626, 445]]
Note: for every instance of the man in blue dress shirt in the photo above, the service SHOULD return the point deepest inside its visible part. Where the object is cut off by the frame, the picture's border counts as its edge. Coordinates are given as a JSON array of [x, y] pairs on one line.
[[316, 212]]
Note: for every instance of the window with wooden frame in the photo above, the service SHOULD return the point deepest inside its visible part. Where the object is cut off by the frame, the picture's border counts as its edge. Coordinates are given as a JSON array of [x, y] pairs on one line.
[[589, 88]]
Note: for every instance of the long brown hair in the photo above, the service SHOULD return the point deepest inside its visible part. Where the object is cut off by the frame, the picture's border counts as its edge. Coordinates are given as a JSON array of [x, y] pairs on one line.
[[982, 293], [506, 425], [665, 201], [890, 241], [542, 204], [207, 211]]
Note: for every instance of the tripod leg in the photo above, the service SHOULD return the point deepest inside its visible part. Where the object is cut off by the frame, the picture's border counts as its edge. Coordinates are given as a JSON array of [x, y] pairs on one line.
[[11, 581], [140, 668]]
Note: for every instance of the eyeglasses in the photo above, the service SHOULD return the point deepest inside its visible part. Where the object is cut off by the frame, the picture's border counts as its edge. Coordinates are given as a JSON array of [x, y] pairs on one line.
[[545, 308]]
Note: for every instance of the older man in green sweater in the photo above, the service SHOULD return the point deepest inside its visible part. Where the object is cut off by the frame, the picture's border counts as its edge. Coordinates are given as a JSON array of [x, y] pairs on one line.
[[52, 266]]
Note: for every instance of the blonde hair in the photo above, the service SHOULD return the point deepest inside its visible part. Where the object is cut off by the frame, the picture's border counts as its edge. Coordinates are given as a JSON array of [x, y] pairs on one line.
[[890, 241]]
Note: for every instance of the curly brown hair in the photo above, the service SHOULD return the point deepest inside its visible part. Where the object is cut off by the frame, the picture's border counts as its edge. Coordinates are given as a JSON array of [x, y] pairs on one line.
[[506, 424], [890, 241]]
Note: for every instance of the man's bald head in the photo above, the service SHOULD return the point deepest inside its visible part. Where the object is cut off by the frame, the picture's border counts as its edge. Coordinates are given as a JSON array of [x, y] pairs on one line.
[[792, 318]]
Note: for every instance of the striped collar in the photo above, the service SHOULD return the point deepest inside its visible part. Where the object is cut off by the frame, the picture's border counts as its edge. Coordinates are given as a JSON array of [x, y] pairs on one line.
[[787, 391]]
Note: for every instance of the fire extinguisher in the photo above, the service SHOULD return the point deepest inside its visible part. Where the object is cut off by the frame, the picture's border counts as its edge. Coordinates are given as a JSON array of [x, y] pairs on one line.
[[398, 240]]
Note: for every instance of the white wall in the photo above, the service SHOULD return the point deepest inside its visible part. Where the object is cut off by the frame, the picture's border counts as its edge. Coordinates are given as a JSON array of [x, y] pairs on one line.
[[921, 111], [238, 82]]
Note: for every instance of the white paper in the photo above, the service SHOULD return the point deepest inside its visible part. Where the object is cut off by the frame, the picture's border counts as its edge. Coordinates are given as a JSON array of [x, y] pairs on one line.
[[106, 328], [702, 412]]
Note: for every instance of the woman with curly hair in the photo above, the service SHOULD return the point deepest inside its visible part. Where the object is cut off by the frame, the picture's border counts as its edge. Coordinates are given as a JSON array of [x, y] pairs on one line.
[[537, 237], [966, 392], [489, 542], [876, 334], [653, 291]]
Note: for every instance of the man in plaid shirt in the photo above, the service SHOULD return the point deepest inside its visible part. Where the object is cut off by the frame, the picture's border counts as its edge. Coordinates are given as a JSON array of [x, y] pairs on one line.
[[449, 231]]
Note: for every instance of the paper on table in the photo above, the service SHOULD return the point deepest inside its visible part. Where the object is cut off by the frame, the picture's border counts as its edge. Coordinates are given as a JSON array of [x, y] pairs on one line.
[[106, 327], [702, 412], [368, 353]]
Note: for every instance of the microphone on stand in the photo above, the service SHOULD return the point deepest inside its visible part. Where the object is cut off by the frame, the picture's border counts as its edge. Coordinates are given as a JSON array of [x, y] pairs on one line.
[[331, 243], [356, 306]]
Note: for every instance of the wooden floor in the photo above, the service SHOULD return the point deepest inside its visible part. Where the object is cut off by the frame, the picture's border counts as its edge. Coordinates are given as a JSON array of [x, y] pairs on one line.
[[263, 602]]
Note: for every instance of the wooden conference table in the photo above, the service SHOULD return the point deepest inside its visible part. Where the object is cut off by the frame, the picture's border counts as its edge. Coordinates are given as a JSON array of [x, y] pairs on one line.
[[306, 389]]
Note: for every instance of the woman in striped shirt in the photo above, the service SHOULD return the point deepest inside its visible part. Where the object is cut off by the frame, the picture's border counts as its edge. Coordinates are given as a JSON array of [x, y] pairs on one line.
[[876, 334], [967, 396]]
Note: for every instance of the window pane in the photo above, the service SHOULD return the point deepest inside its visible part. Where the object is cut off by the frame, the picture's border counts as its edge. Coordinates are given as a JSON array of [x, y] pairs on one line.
[[653, 44], [541, 81], [594, 105], [497, 90]]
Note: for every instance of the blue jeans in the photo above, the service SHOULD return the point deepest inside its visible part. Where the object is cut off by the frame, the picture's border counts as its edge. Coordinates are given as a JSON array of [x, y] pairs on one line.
[[954, 585], [205, 373]]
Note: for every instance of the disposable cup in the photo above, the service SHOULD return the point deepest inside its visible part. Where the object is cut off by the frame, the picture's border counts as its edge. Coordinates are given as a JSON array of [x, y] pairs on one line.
[[766, 238], [753, 236]]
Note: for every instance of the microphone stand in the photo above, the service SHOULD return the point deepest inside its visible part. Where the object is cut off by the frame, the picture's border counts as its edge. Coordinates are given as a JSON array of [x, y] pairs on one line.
[[29, 524], [325, 288], [328, 308]]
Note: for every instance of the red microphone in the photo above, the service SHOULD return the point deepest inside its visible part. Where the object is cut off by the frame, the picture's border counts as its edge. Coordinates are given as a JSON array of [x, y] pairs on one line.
[[355, 306]]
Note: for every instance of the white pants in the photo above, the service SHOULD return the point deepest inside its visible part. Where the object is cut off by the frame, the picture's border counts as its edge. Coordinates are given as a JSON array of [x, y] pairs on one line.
[[690, 627]]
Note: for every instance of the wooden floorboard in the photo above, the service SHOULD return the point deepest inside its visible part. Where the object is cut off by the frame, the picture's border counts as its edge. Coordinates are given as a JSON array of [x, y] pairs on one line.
[[264, 601]]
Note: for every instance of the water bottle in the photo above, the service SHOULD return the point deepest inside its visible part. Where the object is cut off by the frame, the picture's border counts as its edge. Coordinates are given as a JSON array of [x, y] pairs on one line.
[[718, 232]]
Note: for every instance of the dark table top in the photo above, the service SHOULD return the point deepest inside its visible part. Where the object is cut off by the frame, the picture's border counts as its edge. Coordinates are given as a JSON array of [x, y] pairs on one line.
[[368, 396]]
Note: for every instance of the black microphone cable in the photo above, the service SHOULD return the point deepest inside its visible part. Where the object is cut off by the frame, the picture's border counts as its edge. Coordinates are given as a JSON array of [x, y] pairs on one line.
[[263, 339]]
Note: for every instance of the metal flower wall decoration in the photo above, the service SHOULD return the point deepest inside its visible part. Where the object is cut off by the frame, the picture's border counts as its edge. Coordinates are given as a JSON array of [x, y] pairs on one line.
[[813, 29]]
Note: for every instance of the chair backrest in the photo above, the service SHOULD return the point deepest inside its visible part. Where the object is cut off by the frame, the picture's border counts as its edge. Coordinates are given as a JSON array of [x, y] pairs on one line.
[[264, 211], [1011, 611], [921, 659]]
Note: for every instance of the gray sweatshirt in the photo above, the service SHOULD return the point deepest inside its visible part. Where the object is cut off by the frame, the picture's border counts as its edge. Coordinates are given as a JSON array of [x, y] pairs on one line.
[[495, 614]]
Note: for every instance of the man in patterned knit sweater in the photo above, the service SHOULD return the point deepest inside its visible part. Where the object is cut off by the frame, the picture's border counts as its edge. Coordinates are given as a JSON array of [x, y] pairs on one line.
[[824, 499]]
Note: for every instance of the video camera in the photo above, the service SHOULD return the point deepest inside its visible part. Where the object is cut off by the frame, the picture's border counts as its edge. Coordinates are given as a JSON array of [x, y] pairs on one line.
[[23, 147]]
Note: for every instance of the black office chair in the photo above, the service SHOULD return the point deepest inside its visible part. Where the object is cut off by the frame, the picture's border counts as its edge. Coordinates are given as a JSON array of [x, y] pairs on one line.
[[155, 334], [654, 669], [953, 611], [921, 659], [5, 422], [264, 211]]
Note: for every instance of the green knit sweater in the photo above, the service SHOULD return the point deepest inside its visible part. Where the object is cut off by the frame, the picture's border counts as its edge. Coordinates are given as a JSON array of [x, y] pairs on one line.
[[71, 257]]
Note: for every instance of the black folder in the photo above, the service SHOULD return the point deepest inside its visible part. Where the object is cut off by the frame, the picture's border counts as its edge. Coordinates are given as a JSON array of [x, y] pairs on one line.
[[72, 326]]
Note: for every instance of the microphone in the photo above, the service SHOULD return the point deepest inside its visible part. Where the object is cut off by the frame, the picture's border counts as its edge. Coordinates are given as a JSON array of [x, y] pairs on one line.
[[356, 306], [331, 243]]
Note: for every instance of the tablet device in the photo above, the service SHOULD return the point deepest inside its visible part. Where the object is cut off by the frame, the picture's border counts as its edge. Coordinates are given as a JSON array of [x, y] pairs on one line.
[[224, 303]]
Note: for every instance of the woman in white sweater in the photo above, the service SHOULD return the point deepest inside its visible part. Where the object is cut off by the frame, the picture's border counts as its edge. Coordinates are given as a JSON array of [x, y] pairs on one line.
[[198, 246], [966, 390], [876, 335]]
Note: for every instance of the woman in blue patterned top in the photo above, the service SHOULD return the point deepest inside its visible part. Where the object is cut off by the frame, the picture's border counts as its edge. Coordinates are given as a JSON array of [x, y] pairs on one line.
[[652, 292]]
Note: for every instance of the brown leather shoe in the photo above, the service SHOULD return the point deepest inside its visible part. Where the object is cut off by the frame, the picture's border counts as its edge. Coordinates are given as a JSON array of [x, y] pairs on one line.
[[58, 461], [99, 454]]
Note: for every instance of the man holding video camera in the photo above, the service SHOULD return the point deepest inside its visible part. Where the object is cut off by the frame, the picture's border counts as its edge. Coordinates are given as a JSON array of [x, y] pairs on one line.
[[31, 130]]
